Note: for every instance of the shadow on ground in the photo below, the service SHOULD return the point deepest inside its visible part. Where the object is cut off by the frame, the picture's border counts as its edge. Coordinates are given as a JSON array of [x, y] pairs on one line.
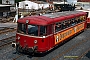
[[88, 54]]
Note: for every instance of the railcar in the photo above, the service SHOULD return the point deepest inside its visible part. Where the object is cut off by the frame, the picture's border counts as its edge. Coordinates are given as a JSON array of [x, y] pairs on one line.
[[39, 34]]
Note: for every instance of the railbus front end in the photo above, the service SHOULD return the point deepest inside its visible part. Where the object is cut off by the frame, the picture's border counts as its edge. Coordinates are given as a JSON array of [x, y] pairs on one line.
[[34, 34], [32, 38]]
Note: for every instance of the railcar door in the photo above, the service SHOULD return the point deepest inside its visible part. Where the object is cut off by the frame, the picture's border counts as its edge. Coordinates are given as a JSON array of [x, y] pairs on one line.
[[50, 35]]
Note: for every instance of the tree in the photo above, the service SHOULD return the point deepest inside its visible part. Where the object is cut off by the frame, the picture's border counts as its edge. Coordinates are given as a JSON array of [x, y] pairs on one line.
[[0, 1], [16, 1]]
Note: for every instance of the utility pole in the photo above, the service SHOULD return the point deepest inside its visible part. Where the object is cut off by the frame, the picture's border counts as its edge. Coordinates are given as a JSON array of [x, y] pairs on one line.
[[0, 1], [16, 12], [16, 16], [64, 1]]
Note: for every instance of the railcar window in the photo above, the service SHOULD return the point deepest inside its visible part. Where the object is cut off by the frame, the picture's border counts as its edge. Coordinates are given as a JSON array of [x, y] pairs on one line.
[[57, 27], [33, 30], [73, 22], [21, 28], [82, 18], [64, 25], [69, 23], [42, 30], [77, 19]]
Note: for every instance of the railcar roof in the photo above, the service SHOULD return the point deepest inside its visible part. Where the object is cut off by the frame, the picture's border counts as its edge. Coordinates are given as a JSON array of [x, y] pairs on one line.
[[58, 14], [50, 18]]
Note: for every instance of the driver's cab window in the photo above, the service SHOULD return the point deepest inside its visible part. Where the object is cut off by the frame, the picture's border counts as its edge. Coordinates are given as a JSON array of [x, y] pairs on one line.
[[33, 30]]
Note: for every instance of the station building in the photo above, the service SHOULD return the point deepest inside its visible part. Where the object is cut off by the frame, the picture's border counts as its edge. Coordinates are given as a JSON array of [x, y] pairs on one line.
[[5, 10]]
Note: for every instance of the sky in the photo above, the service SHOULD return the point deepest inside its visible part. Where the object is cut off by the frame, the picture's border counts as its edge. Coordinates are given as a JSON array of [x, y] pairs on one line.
[[72, 1]]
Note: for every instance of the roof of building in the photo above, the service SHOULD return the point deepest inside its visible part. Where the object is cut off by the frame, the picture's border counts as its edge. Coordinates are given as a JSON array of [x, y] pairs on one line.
[[1, 5], [83, 0]]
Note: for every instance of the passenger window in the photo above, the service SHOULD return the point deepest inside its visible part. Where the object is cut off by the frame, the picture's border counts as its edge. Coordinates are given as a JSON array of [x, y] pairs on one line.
[[82, 18], [57, 27], [66, 24], [77, 19], [73, 22], [63, 25], [69, 23]]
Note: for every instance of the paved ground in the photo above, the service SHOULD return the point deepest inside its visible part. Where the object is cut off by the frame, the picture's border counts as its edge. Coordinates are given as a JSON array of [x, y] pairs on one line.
[[2, 25], [7, 25]]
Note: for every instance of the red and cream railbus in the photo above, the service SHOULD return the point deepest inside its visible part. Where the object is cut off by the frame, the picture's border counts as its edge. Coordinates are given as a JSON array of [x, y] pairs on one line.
[[42, 33]]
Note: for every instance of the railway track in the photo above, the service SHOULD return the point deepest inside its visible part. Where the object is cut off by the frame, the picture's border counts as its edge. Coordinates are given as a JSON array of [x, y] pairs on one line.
[[83, 54], [4, 43], [6, 50], [4, 20], [17, 57], [6, 30], [1, 21], [7, 41]]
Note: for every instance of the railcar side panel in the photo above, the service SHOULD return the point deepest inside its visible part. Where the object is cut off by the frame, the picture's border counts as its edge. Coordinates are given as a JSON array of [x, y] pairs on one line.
[[61, 36]]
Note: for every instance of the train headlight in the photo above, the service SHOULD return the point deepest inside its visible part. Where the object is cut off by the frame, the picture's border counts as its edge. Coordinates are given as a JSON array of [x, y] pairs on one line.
[[35, 41], [27, 21], [43, 36], [13, 44]]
